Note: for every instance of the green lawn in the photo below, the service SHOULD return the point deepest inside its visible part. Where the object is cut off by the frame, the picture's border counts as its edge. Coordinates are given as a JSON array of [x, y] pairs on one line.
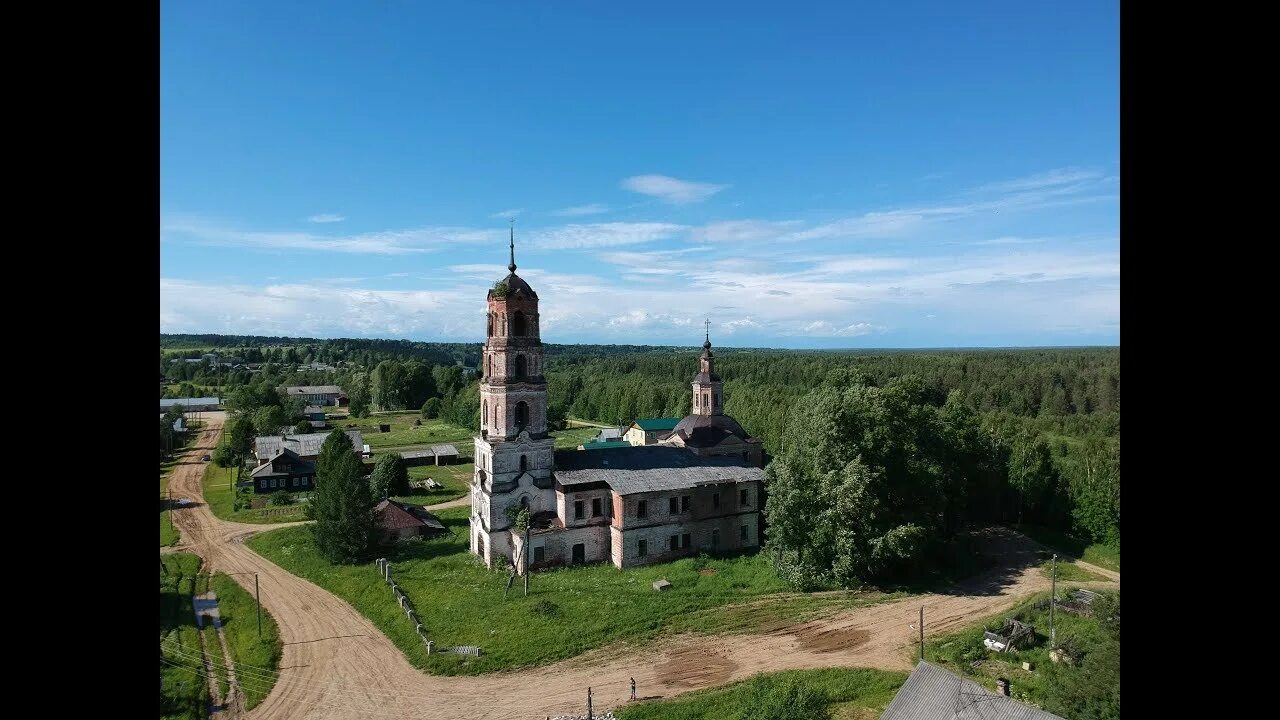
[[257, 660], [461, 603], [403, 432], [849, 693], [455, 478], [962, 653], [1104, 556], [221, 499], [1069, 572], [183, 693], [573, 437]]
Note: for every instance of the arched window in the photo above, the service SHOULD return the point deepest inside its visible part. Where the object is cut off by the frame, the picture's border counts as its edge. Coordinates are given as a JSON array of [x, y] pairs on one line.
[[524, 463], [524, 501], [522, 415], [706, 399], [484, 414], [517, 324], [490, 333], [488, 368], [520, 366]]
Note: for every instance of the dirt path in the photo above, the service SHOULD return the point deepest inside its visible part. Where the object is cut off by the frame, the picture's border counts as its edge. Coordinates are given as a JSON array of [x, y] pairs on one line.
[[464, 501], [336, 664]]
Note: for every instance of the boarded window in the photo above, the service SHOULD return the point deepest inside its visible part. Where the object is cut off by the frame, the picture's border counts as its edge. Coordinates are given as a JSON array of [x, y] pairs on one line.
[[577, 509], [642, 510], [643, 548]]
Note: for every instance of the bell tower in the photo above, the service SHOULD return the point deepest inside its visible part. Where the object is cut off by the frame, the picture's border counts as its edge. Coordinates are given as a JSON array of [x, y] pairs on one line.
[[513, 452], [708, 390]]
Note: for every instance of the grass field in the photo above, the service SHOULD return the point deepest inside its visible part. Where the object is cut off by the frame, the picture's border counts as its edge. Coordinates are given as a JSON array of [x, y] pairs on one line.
[[213, 647], [221, 499], [455, 478], [1104, 556], [183, 694], [861, 694], [461, 602], [403, 432], [257, 661], [962, 652], [573, 437], [1069, 572]]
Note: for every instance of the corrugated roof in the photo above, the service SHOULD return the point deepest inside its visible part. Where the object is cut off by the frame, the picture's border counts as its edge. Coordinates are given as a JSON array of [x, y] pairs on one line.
[[415, 454], [601, 444], [658, 423], [931, 693], [313, 390], [392, 515], [649, 468], [188, 402], [266, 446]]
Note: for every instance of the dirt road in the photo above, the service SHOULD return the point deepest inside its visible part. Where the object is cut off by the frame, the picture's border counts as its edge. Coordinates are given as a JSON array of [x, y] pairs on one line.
[[336, 664]]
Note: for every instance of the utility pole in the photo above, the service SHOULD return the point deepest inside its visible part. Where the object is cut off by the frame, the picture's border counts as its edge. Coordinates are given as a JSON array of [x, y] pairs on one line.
[[922, 632], [589, 704], [258, 597], [1053, 599], [526, 558]]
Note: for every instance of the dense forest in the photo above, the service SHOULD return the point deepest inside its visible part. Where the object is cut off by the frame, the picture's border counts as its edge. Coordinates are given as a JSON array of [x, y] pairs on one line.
[[1050, 417]]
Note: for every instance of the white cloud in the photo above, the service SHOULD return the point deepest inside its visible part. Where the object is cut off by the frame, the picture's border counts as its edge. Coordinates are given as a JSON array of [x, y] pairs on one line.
[[1009, 241], [326, 218], [743, 230], [825, 328], [1053, 178], [387, 242], [641, 319], [671, 190], [592, 209], [593, 235]]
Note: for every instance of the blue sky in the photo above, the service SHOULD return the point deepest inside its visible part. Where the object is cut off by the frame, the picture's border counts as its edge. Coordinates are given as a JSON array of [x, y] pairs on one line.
[[921, 175]]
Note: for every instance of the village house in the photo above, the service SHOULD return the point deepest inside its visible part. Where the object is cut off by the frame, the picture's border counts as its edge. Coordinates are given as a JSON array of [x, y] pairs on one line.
[[627, 505], [314, 415], [285, 470], [325, 395], [306, 447], [649, 431], [401, 521]]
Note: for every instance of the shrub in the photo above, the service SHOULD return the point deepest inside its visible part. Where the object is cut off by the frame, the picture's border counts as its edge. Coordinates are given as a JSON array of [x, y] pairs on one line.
[[281, 497]]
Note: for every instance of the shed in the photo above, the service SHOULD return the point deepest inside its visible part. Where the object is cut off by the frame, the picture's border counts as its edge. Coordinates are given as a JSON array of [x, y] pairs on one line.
[[413, 458], [445, 454], [398, 521]]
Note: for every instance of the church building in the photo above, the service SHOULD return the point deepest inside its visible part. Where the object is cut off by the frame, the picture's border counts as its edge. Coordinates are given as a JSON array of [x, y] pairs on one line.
[[697, 490]]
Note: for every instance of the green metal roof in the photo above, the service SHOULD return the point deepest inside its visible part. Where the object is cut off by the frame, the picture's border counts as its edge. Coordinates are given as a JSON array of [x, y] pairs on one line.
[[658, 423], [607, 444]]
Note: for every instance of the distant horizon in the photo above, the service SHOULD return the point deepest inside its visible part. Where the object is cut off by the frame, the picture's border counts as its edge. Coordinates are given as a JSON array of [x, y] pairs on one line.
[[691, 348], [918, 175]]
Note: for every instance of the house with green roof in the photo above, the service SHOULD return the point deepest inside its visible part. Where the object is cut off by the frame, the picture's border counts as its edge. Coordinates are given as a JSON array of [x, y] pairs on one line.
[[602, 444], [648, 431]]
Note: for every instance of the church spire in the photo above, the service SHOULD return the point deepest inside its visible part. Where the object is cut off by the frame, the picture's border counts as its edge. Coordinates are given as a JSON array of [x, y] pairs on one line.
[[512, 266], [706, 345]]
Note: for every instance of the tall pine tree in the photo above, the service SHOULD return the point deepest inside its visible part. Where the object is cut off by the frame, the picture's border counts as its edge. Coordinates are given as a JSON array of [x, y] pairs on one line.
[[341, 505]]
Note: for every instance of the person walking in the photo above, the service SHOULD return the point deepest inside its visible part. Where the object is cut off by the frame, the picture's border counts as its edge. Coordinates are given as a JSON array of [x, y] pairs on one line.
[[633, 688]]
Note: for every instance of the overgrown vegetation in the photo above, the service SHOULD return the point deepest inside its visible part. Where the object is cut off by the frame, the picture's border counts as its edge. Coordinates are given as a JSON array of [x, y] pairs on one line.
[[228, 503], [183, 691], [793, 695], [601, 603], [1085, 688], [257, 661]]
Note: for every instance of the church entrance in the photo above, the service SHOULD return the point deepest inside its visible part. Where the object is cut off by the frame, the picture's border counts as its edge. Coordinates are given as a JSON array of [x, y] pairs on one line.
[[579, 553]]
